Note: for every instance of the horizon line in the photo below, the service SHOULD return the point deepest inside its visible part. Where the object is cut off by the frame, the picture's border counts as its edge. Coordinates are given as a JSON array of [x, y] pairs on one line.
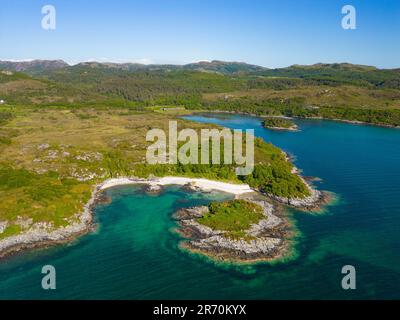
[[149, 62]]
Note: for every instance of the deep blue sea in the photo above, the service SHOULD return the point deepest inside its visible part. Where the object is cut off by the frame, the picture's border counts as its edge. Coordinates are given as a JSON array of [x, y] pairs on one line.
[[134, 253]]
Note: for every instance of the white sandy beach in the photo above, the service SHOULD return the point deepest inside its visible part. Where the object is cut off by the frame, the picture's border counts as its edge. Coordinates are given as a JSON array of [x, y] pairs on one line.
[[36, 236], [203, 184]]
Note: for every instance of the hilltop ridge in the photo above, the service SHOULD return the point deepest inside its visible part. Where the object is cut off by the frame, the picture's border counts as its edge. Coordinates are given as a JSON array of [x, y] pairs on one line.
[[219, 66]]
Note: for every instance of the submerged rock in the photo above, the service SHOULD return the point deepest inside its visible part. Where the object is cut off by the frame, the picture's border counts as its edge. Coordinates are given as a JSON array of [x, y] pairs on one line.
[[153, 188], [190, 213]]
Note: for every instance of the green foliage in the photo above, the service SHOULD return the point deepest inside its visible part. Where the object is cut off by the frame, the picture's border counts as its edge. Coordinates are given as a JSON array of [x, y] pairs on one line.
[[363, 93], [116, 164], [10, 231], [277, 179], [10, 178], [155, 87], [5, 116], [42, 198], [7, 76], [207, 171], [298, 108], [337, 74], [281, 83], [6, 136], [272, 173], [278, 123], [234, 216]]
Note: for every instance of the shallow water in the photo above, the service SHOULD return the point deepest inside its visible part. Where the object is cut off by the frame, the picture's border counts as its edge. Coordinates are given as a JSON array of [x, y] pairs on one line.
[[134, 253]]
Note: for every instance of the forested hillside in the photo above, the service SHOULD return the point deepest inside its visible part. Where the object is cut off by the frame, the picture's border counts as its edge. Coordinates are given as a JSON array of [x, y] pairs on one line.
[[334, 91]]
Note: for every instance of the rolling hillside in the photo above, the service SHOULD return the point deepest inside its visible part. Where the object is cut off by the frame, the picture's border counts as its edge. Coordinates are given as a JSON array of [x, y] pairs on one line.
[[337, 91]]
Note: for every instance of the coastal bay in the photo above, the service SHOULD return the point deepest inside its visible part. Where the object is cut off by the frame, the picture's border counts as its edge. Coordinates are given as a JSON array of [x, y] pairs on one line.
[[132, 232], [37, 238], [49, 181]]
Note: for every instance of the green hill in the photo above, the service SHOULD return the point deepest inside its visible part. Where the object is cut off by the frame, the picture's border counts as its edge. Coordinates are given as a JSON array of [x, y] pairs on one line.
[[335, 91]]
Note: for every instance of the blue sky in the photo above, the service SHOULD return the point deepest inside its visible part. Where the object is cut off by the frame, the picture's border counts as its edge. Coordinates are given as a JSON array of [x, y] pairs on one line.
[[271, 33]]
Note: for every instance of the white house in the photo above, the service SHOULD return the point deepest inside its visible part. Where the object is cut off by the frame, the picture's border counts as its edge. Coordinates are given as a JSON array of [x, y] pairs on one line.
[[2, 101]]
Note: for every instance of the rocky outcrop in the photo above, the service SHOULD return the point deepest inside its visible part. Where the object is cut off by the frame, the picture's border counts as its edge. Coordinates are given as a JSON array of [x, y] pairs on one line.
[[3, 226], [190, 213], [254, 246], [292, 128], [153, 188], [313, 202]]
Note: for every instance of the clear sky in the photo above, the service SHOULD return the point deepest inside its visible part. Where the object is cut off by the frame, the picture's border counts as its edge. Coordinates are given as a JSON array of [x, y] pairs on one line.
[[271, 33]]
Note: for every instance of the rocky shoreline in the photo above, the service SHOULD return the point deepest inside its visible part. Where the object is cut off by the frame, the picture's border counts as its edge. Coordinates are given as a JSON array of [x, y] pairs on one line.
[[292, 129], [41, 236], [294, 117], [265, 241], [313, 203]]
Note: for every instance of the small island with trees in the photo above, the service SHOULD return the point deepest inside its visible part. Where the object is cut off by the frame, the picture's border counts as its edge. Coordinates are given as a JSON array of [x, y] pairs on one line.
[[240, 230], [278, 123]]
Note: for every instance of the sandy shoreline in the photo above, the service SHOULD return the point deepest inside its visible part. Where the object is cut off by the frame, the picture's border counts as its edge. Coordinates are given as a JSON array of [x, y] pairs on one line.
[[199, 183], [42, 237]]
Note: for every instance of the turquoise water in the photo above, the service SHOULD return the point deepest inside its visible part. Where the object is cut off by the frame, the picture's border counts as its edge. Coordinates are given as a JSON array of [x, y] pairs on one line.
[[134, 253]]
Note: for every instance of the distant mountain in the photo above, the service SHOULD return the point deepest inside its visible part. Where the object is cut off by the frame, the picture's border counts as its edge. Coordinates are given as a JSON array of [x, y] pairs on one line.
[[224, 67], [129, 67], [230, 68], [339, 73], [326, 70], [32, 66], [111, 65], [202, 66], [320, 73], [335, 66]]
